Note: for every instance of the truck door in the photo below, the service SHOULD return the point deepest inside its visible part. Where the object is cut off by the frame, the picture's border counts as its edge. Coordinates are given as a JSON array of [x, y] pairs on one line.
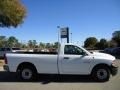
[[74, 61]]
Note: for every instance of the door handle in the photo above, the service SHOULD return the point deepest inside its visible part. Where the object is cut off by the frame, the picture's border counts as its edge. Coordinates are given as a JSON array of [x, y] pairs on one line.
[[66, 58]]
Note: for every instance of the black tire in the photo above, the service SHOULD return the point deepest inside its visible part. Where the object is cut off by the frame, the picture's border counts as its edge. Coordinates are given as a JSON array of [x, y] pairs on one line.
[[27, 73], [101, 74]]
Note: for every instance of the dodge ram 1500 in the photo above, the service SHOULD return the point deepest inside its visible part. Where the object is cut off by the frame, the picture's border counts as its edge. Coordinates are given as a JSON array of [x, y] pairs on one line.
[[70, 59]]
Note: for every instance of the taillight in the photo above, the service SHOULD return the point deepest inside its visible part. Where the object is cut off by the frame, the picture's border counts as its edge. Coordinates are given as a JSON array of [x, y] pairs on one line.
[[5, 59]]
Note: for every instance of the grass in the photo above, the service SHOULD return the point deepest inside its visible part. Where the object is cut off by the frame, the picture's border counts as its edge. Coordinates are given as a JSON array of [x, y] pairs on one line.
[[1, 62]]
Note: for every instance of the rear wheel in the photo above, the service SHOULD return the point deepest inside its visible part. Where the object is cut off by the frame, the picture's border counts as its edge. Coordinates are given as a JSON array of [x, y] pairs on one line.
[[101, 74], [27, 73]]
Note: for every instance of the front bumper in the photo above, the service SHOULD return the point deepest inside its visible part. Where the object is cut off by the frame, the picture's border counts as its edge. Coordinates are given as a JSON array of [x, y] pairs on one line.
[[6, 68], [114, 70]]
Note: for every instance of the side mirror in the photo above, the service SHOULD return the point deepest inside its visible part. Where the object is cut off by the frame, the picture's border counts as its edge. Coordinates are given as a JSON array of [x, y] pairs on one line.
[[84, 53], [91, 52]]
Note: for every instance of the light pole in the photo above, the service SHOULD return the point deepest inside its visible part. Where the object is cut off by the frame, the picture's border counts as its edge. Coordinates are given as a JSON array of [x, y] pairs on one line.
[[71, 37], [58, 33], [58, 27]]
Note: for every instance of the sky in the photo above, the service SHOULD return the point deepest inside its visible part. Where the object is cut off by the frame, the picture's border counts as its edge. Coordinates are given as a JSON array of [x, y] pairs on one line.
[[85, 18]]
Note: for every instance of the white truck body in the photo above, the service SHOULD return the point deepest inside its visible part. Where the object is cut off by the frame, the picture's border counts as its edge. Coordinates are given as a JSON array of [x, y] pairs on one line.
[[61, 63]]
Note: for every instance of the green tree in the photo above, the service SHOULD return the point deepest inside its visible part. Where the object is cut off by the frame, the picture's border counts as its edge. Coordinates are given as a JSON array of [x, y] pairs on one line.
[[41, 45], [48, 45], [12, 13], [112, 44], [116, 37], [3, 41], [13, 42], [102, 44], [90, 42], [55, 45], [34, 43], [23, 45], [30, 44]]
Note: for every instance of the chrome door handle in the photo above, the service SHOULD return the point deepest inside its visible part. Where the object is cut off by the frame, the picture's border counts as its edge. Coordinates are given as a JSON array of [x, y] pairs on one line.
[[66, 58]]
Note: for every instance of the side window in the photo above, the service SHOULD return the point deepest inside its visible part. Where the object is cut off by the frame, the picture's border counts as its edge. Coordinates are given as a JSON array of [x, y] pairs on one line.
[[72, 50]]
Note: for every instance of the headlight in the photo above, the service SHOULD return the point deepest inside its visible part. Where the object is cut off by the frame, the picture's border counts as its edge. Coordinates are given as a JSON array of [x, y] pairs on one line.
[[114, 63]]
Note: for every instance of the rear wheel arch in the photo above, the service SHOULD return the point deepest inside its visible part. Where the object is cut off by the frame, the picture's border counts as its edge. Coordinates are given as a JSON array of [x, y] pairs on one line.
[[25, 64]]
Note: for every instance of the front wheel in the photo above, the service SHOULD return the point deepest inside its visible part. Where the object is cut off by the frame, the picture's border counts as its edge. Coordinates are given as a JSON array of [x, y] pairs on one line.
[[101, 74]]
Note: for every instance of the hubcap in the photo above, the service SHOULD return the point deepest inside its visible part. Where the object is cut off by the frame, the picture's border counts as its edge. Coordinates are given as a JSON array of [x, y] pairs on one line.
[[26, 74], [102, 74]]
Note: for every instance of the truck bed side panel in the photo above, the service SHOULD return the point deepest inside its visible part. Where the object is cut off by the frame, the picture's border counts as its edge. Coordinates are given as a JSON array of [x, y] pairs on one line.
[[43, 63]]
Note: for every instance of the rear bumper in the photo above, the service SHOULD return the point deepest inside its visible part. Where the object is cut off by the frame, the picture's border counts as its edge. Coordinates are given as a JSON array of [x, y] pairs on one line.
[[6, 68], [114, 70]]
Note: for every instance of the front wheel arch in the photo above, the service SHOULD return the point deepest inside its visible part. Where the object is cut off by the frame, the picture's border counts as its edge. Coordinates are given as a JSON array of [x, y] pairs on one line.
[[101, 65]]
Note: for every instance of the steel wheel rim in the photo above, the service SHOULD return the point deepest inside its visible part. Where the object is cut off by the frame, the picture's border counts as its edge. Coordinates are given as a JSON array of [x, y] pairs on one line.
[[26, 74], [102, 74]]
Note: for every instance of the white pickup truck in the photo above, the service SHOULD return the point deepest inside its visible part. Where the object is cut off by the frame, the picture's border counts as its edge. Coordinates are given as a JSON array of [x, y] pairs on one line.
[[71, 60]]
